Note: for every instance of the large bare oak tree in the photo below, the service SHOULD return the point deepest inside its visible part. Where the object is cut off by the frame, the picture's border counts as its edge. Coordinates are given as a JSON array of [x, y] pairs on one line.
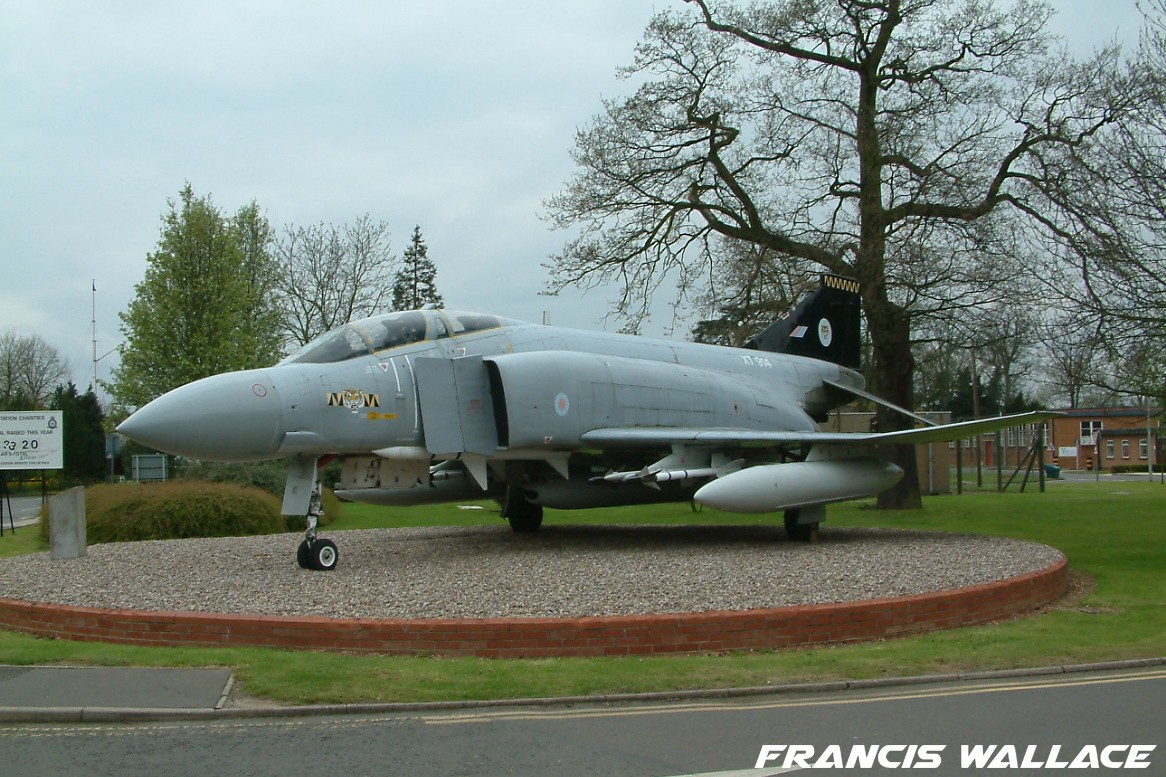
[[910, 144]]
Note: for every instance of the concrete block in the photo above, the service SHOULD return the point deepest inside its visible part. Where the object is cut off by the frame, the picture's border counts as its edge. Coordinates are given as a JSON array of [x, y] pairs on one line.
[[67, 524]]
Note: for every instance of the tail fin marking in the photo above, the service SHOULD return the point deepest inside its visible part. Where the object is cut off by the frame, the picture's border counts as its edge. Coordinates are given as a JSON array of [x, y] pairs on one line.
[[825, 325]]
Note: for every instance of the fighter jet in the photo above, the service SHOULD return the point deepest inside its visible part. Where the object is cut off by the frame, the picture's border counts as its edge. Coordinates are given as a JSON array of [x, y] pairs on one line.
[[432, 406]]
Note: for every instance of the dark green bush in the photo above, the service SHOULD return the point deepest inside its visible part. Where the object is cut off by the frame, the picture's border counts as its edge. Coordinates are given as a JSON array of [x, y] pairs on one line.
[[178, 510], [271, 476], [267, 475], [1122, 469]]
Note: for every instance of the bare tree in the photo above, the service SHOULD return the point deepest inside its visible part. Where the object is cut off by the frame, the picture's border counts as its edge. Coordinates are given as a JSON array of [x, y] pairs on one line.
[[747, 291], [1074, 357], [332, 275], [891, 141], [1007, 348], [1140, 371], [1104, 344], [1122, 270], [30, 371]]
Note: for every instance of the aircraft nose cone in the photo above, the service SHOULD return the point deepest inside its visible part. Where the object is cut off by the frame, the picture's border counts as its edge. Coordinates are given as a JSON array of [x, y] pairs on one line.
[[231, 417]]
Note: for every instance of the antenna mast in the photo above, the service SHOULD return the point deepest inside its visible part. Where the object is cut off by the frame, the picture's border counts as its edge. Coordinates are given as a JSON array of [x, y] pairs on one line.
[[94, 299]]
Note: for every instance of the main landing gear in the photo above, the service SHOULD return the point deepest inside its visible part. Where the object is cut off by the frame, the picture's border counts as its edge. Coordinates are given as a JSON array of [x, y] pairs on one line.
[[800, 524], [524, 516]]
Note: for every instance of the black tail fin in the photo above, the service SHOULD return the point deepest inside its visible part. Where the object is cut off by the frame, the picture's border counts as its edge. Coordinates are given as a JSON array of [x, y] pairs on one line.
[[825, 325]]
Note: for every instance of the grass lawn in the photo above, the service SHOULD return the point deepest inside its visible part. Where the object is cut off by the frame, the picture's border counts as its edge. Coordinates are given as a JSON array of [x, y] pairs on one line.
[[1113, 532]]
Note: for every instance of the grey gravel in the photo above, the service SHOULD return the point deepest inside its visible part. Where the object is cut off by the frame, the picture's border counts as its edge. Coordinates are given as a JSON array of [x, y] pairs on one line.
[[485, 572]]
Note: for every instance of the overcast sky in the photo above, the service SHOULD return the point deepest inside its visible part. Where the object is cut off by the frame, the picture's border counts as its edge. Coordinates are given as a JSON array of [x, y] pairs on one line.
[[454, 115]]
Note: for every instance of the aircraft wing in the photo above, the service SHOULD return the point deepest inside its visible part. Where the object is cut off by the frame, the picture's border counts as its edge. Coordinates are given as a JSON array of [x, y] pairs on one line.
[[647, 437]]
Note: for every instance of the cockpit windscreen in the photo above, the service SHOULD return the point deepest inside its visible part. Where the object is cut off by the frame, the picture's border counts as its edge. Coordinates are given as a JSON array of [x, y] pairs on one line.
[[388, 331]]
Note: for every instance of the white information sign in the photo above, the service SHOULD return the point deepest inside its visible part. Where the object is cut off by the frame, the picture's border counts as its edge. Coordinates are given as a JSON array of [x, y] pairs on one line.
[[31, 440]]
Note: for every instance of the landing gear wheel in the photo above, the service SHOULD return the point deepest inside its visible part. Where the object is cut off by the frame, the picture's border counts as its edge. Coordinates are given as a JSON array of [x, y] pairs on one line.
[[799, 532], [320, 555], [523, 516], [527, 524], [323, 555]]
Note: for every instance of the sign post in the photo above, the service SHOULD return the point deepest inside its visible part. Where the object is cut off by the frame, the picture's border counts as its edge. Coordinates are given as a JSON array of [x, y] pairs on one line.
[[28, 440]]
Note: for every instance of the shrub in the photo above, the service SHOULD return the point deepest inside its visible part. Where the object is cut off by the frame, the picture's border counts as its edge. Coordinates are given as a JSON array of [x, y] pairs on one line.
[[267, 475], [177, 510], [271, 476]]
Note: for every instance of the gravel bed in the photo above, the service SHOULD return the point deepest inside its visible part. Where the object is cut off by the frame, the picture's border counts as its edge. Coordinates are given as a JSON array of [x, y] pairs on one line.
[[486, 572]]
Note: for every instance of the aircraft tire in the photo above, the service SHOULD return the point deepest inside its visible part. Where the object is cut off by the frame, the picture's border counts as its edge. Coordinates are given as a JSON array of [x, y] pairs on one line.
[[304, 555], [523, 516], [323, 555], [527, 523]]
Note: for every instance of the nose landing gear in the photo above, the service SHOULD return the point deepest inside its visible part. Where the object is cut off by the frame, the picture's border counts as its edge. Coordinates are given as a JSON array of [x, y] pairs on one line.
[[313, 552]]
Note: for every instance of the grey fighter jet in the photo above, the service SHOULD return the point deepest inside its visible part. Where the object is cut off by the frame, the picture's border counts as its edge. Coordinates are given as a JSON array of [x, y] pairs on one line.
[[438, 405]]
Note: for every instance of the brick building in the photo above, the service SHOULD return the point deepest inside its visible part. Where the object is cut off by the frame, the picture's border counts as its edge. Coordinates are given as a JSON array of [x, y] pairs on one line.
[[1105, 438]]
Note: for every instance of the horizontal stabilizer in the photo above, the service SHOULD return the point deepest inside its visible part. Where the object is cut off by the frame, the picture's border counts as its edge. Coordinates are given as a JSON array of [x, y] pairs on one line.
[[962, 429], [869, 397]]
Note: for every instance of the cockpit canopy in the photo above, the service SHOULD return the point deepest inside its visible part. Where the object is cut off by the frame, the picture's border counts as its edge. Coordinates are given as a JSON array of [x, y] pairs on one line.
[[391, 330]]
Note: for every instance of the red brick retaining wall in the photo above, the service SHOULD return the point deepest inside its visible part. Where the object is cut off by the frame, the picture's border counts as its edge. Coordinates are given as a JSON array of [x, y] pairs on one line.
[[529, 637]]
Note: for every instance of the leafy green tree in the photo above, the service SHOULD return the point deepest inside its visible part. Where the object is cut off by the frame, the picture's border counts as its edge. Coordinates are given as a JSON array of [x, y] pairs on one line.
[[84, 433], [258, 275], [416, 283], [206, 303]]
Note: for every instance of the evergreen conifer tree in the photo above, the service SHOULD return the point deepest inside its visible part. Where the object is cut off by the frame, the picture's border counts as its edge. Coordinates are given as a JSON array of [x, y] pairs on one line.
[[416, 283], [84, 433]]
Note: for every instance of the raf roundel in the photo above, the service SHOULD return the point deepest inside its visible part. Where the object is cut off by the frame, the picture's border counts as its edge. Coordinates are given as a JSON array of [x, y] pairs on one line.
[[562, 404]]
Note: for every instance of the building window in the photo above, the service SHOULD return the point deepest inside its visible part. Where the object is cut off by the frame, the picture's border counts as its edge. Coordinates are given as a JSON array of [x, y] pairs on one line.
[[1142, 449], [1109, 449], [1089, 432], [1125, 449]]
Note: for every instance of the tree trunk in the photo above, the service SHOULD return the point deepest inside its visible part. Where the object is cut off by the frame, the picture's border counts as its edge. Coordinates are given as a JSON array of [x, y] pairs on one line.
[[893, 368], [889, 324]]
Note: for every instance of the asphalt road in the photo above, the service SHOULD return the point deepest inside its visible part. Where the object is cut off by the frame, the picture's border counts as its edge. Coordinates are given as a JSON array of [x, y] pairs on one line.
[[25, 510], [1080, 714]]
